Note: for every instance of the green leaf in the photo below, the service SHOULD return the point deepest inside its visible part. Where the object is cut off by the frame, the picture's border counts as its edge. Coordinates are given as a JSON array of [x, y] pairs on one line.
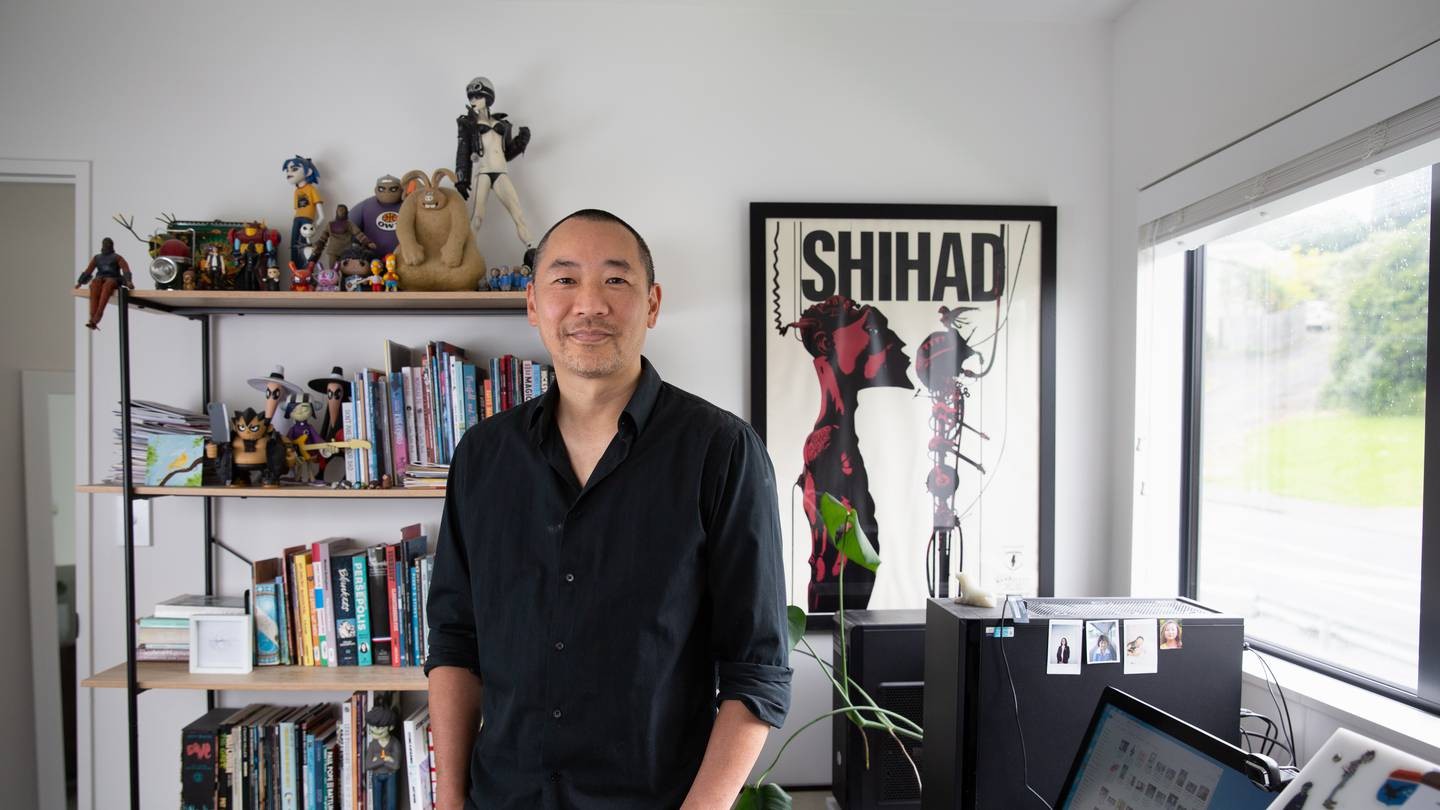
[[796, 617], [766, 797], [852, 541]]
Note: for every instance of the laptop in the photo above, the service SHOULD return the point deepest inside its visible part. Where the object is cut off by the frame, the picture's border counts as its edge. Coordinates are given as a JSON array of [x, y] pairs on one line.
[[1135, 756], [1352, 772]]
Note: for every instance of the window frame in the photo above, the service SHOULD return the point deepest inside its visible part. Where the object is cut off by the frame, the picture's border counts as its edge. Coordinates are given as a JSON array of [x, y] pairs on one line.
[[1426, 697]]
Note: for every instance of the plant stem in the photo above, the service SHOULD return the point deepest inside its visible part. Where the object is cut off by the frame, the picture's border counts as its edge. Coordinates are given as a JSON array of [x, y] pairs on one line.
[[830, 713], [827, 669]]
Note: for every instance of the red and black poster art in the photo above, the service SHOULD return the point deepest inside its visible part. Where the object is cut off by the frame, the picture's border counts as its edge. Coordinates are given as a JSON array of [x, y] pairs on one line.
[[903, 362]]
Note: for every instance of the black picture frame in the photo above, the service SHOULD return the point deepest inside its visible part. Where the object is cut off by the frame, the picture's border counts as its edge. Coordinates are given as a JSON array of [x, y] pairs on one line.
[[766, 301]]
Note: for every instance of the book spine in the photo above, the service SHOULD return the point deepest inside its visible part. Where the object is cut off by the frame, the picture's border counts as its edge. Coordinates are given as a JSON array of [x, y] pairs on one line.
[[360, 580], [330, 779], [525, 371], [362, 429], [347, 790], [428, 395], [375, 403], [427, 572], [302, 610], [472, 395], [393, 597], [397, 427], [413, 593], [417, 384], [324, 625], [430, 760], [407, 392], [379, 606], [383, 422], [287, 767], [347, 417], [307, 773], [267, 626], [457, 400], [343, 602], [412, 775]]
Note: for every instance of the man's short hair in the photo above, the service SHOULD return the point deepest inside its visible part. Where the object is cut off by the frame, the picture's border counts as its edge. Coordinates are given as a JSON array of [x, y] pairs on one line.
[[599, 215]]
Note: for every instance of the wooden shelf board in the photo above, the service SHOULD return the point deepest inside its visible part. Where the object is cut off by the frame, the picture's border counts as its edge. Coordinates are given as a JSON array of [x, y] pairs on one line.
[[187, 302], [176, 675], [263, 492]]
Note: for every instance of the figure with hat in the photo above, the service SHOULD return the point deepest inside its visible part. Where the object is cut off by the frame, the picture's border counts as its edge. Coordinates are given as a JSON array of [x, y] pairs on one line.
[[332, 425], [300, 410], [276, 389], [486, 143]]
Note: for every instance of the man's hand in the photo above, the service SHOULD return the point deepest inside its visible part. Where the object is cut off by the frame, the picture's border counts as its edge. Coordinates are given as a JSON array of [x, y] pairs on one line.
[[735, 742]]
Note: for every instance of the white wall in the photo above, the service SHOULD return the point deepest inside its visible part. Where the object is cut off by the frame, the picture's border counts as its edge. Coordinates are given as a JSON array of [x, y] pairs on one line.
[[675, 116], [1188, 79]]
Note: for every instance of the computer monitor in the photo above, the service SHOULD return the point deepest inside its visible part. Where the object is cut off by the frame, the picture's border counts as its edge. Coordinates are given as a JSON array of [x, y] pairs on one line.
[[1136, 756]]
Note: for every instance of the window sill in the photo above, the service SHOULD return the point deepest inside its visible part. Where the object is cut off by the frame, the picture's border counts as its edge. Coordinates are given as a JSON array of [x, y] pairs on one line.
[[1362, 711]]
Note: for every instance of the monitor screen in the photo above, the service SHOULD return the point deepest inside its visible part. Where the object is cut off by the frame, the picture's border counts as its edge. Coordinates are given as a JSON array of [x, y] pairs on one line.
[[1129, 763]]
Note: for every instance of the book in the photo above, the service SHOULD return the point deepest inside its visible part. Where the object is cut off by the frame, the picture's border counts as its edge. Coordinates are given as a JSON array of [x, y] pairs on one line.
[[307, 632], [145, 653], [342, 604], [200, 760], [360, 579], [265, 584], [393, 596], [153, 636], [416, 768], [347, 416], [407, 393], [186, 605], [399, 448], [156, 621], [379, 604]]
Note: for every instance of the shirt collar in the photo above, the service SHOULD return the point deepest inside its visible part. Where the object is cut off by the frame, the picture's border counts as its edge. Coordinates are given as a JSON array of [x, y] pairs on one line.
[[637, 412]]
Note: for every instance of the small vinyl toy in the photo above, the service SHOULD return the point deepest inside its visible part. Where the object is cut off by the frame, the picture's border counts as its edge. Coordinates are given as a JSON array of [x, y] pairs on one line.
[[525, 277], [251, 248], [254, 447], [332, 429], [391, 277], [272, 275], [495, 279], [354, 268], [276, 388], [339, 235], [105, 273], [212, 270], [382, 756], [309, 206], [299, 410], [377, 216], [300, 277], [377, 276], [307, 240], [327, 279]]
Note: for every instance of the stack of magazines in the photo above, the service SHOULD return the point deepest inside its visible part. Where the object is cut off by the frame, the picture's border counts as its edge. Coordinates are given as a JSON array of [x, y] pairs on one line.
[[149, 419]]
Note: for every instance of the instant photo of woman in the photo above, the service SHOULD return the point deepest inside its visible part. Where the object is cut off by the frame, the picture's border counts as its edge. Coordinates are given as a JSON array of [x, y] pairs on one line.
[[1170, 635]]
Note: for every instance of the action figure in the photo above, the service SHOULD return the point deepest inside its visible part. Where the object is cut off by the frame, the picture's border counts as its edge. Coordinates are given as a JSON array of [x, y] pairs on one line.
[[391, 277], [212, 270], [105, 273], [376, 279], [382, 756], [339, 235], [487, 142], [251, 248], [332, 428], [354, 268], [300, 277], [309, 206], [378, 215], [307, 240], [276, 388], [254, 447], [327, 279], [525, 276], [300, 411], [272, 275]]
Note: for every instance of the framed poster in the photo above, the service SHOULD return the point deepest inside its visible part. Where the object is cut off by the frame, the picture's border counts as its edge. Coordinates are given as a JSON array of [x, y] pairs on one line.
[[903, 361]]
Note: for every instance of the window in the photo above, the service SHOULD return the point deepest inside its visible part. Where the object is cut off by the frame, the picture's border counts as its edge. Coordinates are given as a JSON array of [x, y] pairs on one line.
[[1300, 436]]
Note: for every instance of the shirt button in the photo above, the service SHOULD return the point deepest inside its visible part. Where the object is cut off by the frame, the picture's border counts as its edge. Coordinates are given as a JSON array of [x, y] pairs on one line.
[[557, 714], [559, 645], [569, 577]]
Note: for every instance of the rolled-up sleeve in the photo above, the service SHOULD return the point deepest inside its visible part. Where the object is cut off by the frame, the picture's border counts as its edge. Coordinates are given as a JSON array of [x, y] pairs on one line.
[[450, 610], [748, 632]]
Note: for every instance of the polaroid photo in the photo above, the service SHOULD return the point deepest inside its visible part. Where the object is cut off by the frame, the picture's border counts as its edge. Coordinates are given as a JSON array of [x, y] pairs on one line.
[[1140, 650], [1172, 634], [1065, 651], [1102, 642]]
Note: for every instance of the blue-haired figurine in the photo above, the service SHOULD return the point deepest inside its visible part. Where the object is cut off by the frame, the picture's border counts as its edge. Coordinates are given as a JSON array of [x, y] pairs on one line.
[[309, 205]]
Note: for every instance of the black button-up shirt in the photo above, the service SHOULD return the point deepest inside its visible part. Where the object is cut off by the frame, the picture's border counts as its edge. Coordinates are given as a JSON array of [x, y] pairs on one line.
[[608, 622]]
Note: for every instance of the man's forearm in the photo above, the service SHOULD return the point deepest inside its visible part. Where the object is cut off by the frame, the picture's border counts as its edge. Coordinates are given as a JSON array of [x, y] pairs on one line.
[[735, 742], [454, 720]]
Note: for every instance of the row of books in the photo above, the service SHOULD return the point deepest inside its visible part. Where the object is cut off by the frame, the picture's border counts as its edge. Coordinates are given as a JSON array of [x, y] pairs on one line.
[[336, 602], [165, 634], [314, 757], [414, 412], [147, 420]]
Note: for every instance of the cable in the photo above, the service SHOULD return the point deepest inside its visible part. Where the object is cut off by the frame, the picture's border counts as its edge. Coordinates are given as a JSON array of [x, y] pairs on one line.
[[1024, 755], [1282, 704]]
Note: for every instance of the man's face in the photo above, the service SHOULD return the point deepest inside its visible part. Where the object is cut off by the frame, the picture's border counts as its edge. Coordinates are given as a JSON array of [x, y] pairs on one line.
[[590, 301]]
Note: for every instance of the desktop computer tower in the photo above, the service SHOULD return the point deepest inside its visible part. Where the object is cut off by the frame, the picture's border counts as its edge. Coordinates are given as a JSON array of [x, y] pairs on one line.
[[973, 753], [887, 659]]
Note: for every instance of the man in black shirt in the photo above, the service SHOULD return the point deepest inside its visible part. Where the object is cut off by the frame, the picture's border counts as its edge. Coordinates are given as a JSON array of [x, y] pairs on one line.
[[608, 584]]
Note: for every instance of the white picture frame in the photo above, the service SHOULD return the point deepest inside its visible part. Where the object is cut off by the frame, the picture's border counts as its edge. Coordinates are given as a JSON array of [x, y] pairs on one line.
[[221, 645]]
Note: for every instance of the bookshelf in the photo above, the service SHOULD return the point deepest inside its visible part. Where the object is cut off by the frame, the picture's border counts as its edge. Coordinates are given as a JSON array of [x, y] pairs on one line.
[[176, 675], [202, 307], [262, 492]]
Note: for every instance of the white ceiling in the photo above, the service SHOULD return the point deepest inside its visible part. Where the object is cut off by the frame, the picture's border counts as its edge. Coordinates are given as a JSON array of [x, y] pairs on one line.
[[1038, 11]]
